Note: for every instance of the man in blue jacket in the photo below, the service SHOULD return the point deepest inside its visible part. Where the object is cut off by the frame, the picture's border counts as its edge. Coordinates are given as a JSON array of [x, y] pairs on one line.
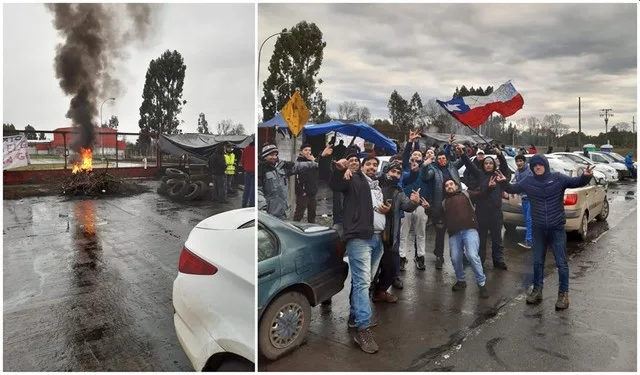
[[628, 162], [523, 172], [545, 191]]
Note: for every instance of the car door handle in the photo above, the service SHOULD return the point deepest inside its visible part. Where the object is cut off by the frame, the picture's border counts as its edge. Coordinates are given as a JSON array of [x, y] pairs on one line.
[[266, 273]]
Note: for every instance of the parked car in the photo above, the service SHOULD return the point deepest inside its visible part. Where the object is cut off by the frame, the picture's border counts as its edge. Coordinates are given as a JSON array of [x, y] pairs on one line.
[[610, 173], [570, 168], [605, 158], [299, 266], [214, 293], [581, 205]]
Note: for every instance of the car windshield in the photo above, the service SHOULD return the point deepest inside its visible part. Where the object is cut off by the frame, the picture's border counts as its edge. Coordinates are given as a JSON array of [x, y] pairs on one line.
[[609, 157], [617, 157]]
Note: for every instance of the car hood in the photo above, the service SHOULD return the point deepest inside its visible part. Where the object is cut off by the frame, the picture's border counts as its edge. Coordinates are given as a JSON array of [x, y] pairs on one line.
[[228, 220]]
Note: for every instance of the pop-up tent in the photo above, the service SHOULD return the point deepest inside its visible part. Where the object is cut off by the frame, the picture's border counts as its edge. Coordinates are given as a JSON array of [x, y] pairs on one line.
[[199, 146], [277, 121], [354, 129]]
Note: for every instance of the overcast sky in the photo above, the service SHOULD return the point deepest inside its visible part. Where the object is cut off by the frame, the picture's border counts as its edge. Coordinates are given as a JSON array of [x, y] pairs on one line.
[[553, 53], [217, 42]]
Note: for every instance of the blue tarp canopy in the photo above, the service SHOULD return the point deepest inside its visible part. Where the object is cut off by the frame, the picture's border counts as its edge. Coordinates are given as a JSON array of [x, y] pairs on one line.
[[277, 121], [354, 129]]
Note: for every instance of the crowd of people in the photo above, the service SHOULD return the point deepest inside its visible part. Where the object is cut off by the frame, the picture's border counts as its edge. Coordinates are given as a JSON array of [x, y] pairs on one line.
[[382, 217]]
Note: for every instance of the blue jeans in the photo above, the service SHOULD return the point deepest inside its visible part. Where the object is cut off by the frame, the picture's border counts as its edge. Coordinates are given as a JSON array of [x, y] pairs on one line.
[[558, 240], [248, 195], [526, 212], [468, 241], [364, 258]]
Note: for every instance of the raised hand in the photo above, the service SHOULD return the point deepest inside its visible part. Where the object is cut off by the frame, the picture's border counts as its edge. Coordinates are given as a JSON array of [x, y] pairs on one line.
[[328, 150], [347, 175], [428, 161], [415, 196], [341, 164], [589, 170], [424, 203], [459, 149], [500, 177], [452, 138], [413, 135], [492, 182]]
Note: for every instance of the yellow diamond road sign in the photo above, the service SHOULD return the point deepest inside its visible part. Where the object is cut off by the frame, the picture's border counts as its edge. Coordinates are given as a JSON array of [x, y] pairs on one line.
[[295, 113]]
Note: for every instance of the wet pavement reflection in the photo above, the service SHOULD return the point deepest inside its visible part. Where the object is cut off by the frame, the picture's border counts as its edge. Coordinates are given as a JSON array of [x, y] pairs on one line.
[[429, 324], [88, 283]]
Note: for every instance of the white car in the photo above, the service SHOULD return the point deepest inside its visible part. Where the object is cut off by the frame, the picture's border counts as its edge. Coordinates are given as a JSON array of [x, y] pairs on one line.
[[570, 168], [610, 173], [511, 162], [604, 158], [214, 293]]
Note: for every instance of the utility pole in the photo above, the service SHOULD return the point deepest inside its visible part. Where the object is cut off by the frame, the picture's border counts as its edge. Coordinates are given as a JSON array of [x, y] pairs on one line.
[[579, 121], [606, 116]]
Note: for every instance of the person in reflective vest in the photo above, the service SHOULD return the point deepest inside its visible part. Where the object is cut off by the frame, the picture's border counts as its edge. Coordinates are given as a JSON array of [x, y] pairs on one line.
[[230, 171]]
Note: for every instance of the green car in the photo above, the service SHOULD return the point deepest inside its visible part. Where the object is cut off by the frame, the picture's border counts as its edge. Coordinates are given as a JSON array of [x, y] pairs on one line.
[[299, 266]]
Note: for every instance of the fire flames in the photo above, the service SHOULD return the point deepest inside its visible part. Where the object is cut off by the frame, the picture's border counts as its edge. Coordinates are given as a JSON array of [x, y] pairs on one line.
[[85, 164]]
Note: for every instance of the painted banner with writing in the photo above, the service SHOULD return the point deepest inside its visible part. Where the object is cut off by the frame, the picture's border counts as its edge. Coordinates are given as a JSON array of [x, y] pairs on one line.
[[16, 151]]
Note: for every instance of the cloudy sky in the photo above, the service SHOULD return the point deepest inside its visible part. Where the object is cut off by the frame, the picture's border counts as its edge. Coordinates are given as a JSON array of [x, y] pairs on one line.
[[217, 42], [553, 53]]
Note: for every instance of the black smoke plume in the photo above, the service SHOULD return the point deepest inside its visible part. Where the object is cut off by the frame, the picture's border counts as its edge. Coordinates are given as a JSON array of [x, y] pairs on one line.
[[95, 38]]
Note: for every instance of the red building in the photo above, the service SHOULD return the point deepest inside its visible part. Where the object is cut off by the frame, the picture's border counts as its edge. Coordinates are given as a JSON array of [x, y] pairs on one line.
[[105, 142]]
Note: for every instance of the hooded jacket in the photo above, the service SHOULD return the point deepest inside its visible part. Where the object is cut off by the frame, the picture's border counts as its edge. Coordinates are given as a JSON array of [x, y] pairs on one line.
[[628, 161], [546, 193], [491, 203], [521, 174], [357, 209], [273, 193], [434, 178], [411, 180]]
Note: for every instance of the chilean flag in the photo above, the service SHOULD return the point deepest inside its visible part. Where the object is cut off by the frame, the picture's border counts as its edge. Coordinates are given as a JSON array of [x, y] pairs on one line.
[[475, 110]]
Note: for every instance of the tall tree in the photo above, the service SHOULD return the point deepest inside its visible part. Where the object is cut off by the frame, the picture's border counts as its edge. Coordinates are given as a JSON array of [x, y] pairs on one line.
[[162, 95], [113, 123], [399, 111], [9, 129], [30, 132], [203, 125], [228, 127], [295, 64], [415, 108], [363, 115], [347, 111]]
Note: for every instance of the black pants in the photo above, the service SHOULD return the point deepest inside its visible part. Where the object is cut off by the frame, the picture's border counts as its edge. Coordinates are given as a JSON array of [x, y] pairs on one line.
[[437, 218], [388, 269], [308, 203], [490, 223]]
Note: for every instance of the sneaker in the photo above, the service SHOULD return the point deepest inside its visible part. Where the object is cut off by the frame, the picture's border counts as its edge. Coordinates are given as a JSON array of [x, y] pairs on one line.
[[525, 244], [352, 322], [563, 301], [364, 338], [397, 283], [403, 263], [535, 297], [419, 261], [484, 293], [384, 296], [439, 263], [500, 266], [459, 285]]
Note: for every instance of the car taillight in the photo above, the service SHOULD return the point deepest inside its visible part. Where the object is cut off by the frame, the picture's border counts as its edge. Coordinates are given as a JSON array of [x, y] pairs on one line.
[[340, 249], [570, 199], [194, 265]]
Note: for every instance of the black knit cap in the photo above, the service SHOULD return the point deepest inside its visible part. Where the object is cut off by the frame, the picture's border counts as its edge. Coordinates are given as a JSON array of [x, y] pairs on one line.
[[370, 157], [305, 146]]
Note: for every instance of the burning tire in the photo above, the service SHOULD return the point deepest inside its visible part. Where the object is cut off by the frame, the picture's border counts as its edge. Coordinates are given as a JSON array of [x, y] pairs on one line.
[[193, 192], [204, 187], [178, 190], [176, 173]]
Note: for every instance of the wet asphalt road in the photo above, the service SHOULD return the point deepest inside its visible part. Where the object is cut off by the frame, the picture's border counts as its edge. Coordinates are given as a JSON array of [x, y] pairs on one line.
[[88, 283], [431, 328]]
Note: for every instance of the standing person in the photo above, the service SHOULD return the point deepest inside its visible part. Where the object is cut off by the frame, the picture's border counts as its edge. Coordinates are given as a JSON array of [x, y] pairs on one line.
[[217, 167], [489, 210], [389, 264], [306, 186], [523, 172], [414, 224], [567, 149], [549, 150], [339, 150], [532, 149], [230, 171], [470, 179], [462, 227], [546, 193], [248, 162], [273, 177], [434, 176], [364, 221], [628, 162]]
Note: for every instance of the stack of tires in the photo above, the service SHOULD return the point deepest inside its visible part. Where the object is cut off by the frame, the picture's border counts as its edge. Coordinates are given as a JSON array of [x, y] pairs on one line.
[[178, 186]]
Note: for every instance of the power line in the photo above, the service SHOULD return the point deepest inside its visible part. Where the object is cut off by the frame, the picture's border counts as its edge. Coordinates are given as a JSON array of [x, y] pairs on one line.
[[606, 116]]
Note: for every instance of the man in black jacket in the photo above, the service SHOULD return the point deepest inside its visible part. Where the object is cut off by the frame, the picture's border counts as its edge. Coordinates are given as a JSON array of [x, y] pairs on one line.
[[489, 209], [364, 220], [217, 167], [306, 188]]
